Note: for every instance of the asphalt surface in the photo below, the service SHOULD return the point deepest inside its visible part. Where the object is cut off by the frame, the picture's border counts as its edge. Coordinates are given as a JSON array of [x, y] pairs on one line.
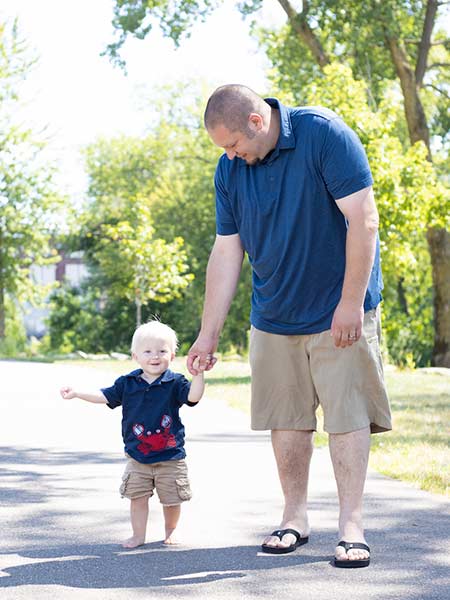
[[61, 517]]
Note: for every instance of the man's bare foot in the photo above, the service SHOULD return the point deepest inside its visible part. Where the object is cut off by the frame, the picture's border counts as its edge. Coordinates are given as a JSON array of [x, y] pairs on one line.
[[133, 542], [351, 553], [355, 533], [288, 538]]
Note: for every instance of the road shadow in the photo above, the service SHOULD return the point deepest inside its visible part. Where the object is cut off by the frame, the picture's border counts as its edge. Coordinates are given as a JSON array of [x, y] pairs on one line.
[[44, 474], [152, 565]]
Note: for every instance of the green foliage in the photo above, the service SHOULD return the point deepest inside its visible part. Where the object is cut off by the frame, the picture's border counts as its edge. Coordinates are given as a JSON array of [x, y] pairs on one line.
[[137, 266], [138, 17], [28, 200], [171, 170], [357, 34], [86, 319], [14, 342], [145, 197]]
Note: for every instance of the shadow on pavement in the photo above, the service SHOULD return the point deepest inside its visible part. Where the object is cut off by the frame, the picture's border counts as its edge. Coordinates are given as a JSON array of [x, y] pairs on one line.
[[152, 565], [44, 456], [44, 477]]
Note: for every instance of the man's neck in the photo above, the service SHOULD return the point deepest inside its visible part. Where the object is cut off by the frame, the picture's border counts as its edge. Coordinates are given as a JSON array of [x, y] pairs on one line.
[[273, 133]]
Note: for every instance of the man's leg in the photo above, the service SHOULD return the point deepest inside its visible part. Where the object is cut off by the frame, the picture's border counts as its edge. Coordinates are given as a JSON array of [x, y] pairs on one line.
[[293, 451], [349, 455]]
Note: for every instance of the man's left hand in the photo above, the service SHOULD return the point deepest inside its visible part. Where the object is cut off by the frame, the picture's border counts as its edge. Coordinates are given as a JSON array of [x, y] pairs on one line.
[[346, 326]]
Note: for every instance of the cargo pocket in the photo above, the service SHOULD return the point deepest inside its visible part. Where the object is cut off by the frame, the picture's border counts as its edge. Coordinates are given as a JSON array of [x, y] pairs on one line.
[[123, 487], [183, 488]]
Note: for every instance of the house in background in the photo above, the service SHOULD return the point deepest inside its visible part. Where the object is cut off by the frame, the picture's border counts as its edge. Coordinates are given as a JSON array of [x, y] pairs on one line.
[[71, 269]]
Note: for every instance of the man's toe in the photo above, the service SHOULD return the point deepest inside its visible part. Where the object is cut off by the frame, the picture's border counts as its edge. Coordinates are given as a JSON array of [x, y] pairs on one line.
[[274, 542]]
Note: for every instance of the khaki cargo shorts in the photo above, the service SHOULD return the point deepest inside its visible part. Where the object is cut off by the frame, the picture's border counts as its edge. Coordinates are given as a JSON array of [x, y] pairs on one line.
[[169, 478], [293, 374]]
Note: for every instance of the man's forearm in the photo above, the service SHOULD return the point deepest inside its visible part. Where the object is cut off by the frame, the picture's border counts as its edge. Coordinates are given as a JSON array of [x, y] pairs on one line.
[[222, 276], [362, 217], [360, 253]]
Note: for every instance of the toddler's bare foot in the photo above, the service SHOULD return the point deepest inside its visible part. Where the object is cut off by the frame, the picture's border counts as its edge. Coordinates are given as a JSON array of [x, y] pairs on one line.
[[171, 539], [133, 542]]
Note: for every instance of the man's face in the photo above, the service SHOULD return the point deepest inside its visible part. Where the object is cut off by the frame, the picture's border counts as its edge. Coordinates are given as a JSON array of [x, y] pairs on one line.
[[237, 143]]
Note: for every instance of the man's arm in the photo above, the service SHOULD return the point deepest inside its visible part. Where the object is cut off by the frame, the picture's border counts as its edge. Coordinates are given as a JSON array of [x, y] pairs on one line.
[[361, 213], [222, 276]]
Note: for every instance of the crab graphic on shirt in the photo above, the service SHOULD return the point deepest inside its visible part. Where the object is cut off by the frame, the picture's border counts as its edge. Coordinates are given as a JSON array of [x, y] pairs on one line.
[[159, 440]]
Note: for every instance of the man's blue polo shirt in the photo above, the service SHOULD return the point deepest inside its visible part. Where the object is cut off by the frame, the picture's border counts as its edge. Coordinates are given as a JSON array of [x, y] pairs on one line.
[[285, 212], [152, 430]]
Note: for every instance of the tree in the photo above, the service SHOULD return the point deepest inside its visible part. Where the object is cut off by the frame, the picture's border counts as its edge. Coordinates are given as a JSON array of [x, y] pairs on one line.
[[168, 173], [380, 40], [139, 267], [27, 195]]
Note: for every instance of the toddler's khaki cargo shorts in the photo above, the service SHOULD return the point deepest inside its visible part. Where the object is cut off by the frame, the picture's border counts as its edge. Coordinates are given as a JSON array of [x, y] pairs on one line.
[[169, 478]]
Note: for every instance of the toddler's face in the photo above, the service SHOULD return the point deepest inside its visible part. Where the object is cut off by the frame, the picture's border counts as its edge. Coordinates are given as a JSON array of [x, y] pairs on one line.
[[153, 355]]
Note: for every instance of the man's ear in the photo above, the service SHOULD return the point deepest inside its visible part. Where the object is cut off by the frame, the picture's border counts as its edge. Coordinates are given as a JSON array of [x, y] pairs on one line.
[[255, 122]]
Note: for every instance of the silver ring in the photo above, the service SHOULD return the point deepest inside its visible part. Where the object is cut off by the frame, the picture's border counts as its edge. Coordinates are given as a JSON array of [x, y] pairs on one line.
[[352, 337]]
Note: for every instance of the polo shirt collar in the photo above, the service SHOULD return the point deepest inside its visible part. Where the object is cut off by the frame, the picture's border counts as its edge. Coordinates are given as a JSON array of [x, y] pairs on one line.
[[286, 139], [166, 376]]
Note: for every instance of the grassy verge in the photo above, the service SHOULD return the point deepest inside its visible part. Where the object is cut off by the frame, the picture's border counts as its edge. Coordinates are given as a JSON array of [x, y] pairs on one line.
[[417, 450]]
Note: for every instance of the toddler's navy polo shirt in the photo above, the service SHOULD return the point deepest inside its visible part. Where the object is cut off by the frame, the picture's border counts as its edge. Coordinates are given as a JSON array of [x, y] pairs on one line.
[[152, 430]]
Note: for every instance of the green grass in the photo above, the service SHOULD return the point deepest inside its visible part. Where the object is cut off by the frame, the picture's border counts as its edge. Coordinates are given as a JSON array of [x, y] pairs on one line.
[[417, 450]]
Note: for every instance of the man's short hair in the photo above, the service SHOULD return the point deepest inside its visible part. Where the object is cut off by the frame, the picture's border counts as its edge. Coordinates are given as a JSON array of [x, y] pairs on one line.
[[154, 329], [231, 105]]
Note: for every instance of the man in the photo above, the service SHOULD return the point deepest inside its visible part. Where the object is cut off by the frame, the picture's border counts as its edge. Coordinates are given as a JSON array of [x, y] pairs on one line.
[[293, 190]]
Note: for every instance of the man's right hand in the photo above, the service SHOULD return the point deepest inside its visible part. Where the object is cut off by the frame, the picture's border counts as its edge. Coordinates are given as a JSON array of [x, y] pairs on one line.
[[203, 350]]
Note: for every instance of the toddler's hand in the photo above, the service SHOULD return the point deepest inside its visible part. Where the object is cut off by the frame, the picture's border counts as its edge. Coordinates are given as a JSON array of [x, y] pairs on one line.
[[67, 393], [196, 363]]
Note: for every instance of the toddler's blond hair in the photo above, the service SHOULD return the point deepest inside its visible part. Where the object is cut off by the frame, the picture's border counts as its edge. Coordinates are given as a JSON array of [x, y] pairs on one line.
[[154, 329]]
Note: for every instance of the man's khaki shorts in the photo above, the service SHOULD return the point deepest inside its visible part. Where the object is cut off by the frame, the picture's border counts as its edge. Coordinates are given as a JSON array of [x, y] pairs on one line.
[[169, 478], [293, 374]]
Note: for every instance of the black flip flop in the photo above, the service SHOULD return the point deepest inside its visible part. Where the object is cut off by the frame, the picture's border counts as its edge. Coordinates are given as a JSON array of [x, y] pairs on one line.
[[353, 564], [279, 533]]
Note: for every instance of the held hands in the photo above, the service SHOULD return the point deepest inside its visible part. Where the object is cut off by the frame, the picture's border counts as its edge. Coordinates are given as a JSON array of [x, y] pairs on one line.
[[201, 356], [67, 393], [346, 326]]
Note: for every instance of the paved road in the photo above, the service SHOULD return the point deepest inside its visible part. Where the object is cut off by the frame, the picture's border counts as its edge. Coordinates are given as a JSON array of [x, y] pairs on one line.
[[61, 516]]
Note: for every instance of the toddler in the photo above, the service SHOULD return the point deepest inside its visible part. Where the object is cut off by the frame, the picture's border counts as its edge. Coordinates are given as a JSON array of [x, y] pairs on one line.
[[152, 431]]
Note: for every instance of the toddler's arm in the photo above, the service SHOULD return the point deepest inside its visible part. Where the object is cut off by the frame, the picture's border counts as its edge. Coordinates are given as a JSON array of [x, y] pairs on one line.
[[68, 393], [197, 384]]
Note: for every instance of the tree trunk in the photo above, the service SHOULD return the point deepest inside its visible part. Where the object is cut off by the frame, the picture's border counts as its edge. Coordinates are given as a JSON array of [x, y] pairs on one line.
[[438, 239], [300, 25], [439, 245], [415, 115]]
